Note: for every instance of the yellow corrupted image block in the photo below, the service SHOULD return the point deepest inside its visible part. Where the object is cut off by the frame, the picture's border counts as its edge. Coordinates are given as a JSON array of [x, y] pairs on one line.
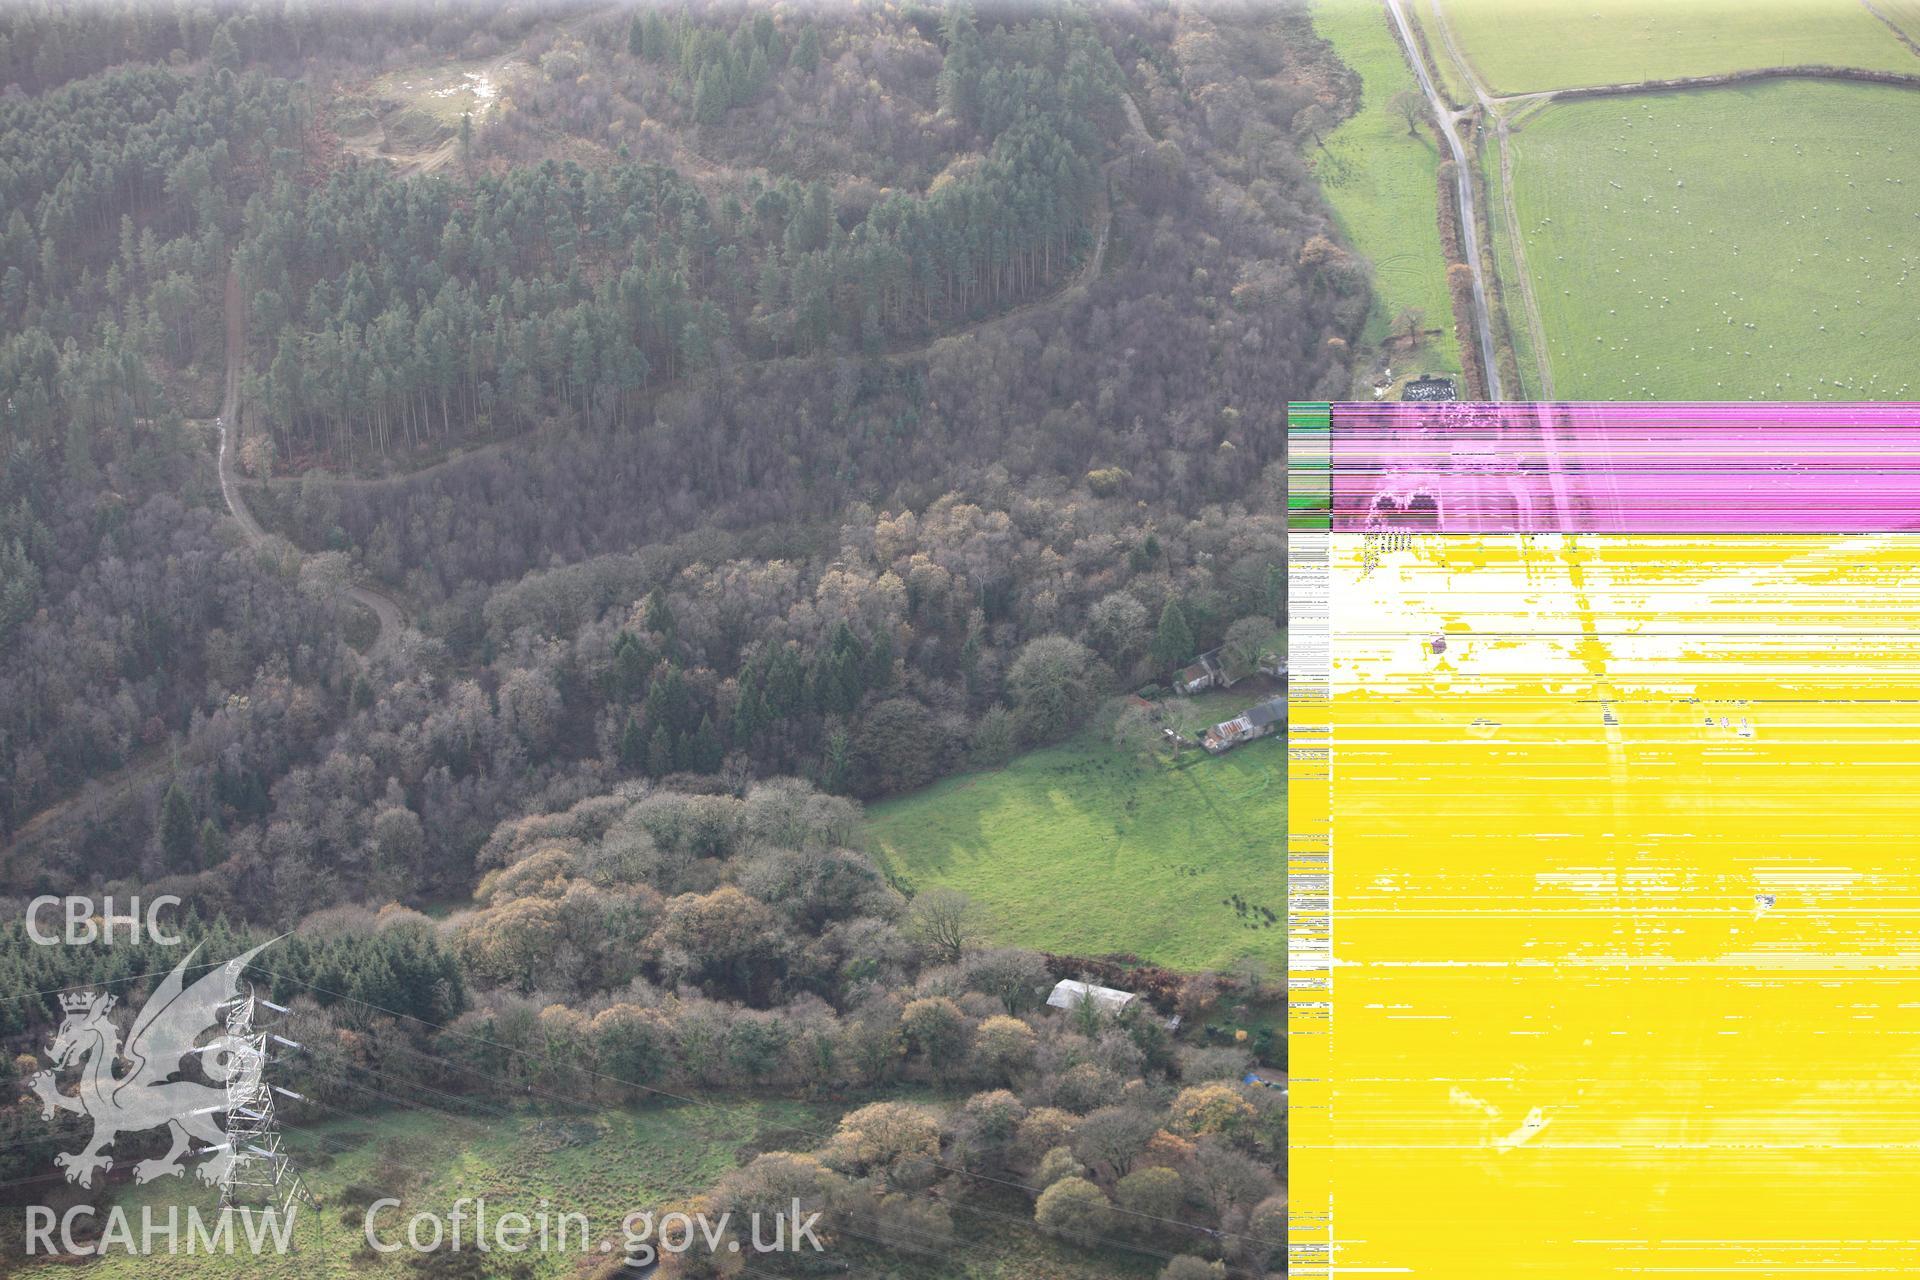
[[1624, 908]]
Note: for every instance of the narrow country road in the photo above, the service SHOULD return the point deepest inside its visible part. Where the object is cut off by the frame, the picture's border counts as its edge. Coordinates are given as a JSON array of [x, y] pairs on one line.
[[1463, 194], [1490, 109], [1494, 107]]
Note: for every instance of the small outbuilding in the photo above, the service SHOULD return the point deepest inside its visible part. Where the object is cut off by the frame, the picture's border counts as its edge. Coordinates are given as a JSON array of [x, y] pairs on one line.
[[1256, 721], [1070, 994], [1205, 673], [1429, 389]]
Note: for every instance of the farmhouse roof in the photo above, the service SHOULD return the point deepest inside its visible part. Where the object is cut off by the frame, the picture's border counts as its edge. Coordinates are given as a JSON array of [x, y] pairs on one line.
[[1069, 994], [1207, 663]]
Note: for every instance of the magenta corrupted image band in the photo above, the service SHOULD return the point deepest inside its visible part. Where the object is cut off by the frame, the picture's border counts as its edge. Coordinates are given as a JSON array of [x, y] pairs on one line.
[[1624, 468]]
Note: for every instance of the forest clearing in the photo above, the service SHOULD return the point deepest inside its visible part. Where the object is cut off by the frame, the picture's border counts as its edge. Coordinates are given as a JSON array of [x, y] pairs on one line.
[[1059, 847]]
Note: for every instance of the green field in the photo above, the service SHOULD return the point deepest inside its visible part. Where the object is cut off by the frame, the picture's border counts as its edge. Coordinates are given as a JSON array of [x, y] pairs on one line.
[[1904, 14], [1085, 848], [1523, 46], [1445, 71], [1758, 242], [603, 1163], [1380, 183], [1527, 387]]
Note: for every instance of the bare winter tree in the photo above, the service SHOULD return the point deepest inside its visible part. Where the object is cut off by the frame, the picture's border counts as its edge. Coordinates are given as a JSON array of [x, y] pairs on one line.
[[1407, 326], [1410, 108], [945, 922]]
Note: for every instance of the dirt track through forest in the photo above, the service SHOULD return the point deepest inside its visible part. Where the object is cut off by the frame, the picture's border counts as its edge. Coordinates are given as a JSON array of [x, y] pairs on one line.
[[152, 765], [386, 609]]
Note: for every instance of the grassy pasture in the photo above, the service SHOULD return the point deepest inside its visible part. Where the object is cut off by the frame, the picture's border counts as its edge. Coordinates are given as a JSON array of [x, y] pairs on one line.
[[1904, 14], [1380, 182], [1086, 848], [604, 1164], [1445, 70], [1759, 242], [1527, 386], [1523, 46]]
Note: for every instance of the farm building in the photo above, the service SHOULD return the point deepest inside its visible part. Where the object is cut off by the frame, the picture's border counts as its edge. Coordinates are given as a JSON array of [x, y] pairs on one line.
[[1069, 994], [1428, 388], [1256, 721], [1215, 669], [1207, 672]]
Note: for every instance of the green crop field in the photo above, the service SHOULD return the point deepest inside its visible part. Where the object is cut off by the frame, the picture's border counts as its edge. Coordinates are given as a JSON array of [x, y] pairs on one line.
[[1758, 242], [1523, 46], [1085, 848], [1380, 182]]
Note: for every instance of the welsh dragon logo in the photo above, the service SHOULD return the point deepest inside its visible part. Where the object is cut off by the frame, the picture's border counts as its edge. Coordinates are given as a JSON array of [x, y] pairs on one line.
[[147, 1095]]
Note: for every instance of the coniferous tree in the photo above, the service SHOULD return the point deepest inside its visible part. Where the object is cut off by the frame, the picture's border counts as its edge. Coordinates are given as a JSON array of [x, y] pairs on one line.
[[705, 751], [213, 844], [659, 615], [633, 745], [631, 663], [714, 95], [757, 75], [223, 52], [660, 753], [806, 51], [1173, 642], [959, 74], [19, 587], [179, 832]]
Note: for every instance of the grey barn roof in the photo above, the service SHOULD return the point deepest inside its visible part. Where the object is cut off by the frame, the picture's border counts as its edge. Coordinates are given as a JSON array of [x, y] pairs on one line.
[[1267, 712]]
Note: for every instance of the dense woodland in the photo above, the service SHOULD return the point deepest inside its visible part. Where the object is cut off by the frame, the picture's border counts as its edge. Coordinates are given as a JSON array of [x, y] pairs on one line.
[[47, 43], [1122, 440], [845, 396], [394, 312], [653, 940], [122, 593]]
